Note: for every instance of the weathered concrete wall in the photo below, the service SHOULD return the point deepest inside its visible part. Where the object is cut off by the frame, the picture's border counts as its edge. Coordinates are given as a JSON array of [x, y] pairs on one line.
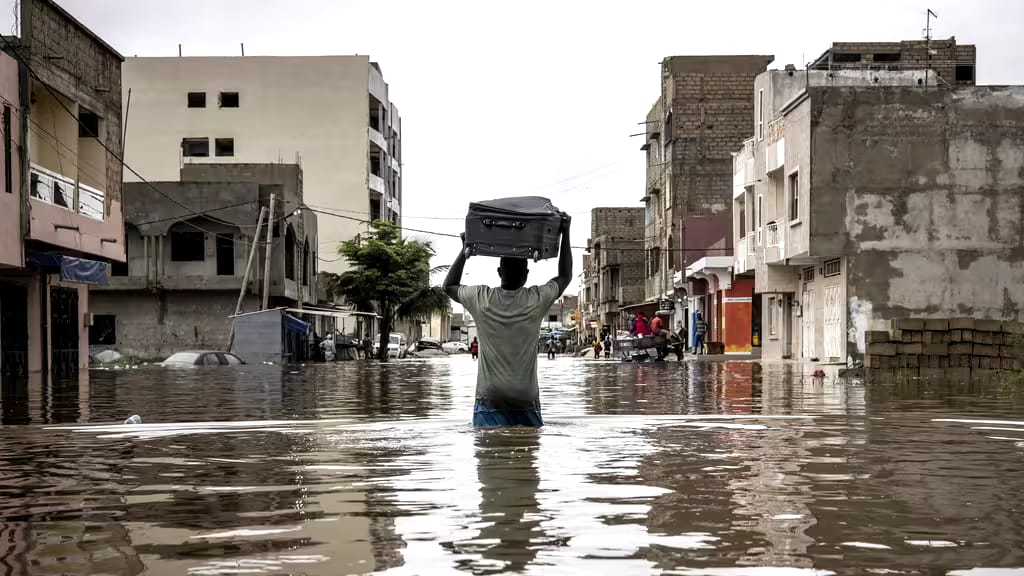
[[923, 190], [155, 325], [11, 234]]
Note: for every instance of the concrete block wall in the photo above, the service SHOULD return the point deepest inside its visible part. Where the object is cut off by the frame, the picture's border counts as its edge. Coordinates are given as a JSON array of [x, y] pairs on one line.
[[956, 348]]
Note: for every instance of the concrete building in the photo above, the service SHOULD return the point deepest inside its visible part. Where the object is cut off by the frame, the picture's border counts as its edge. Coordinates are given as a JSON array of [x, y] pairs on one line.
[[946, 63], [701, 116], [876, 197], [184, 271], [617, 263], [332, 115], [60, 203]]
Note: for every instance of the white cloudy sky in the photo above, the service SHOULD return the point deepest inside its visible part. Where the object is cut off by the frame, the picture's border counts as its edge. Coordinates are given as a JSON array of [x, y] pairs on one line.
[[534, 97]]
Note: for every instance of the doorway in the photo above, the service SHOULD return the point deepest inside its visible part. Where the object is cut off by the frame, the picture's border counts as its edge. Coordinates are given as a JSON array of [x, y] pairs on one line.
[[13, 330], [225, 255], [833, 322], [807, 318], [63, 331]]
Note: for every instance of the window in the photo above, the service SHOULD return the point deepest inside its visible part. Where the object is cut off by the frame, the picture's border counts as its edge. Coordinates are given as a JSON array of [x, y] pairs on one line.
[[965, 73], [808, 274], [231, 359], [741, 210], [552, 317], [8, 182], [118, 268], [887, 57], [195, 147], [225, 255], [88, 124], [289, 253], [760, 114], [197, 99], [103, 331], [224, 146], [229, 99], [212, 360], [794, 196], [846, 57], [188, 246], [305, 263], [771, 316], [832, 268], [760, 209]]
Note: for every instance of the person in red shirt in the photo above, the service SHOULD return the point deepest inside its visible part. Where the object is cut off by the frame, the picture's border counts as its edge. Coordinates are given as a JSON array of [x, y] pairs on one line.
[[657, 329], [656, 325], [641, 326]]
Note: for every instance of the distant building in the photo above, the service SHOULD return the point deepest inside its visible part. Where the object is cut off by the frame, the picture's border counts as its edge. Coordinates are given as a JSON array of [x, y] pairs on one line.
[[616, 267], [332, 115], [60, 197], [870, 195], [700, 118], [184, 271], [951, 64]]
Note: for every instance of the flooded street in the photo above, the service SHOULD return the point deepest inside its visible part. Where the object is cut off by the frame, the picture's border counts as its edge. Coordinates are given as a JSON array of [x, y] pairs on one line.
[[724, 468]]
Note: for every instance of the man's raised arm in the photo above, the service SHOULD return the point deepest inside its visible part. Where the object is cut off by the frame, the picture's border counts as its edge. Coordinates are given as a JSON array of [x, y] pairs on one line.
[[454, 278], [564, 257]]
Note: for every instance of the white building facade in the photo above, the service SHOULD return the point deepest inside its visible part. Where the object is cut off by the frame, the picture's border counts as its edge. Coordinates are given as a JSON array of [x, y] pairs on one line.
[[330, 114]]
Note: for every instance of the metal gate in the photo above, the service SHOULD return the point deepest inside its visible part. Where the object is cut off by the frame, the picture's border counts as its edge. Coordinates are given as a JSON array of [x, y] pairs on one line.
[[807, 335], [13, 330], [833, 322], [63, 331]]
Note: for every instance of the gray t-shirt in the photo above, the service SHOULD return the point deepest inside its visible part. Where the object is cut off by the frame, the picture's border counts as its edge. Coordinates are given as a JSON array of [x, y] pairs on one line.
[[508, 325]]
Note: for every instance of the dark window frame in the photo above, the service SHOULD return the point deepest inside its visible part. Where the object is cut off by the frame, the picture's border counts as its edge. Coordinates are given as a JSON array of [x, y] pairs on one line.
[[8, 143], [88, 124], [229, 100], [184, 244], [225, 242], [964, 73], [103, 331], [224, 147], [196, 99], [188, 152]]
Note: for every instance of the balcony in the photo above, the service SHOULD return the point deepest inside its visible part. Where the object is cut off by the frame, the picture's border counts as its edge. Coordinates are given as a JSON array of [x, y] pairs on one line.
[[377, 185], [775, 246], [378, 138], [59, 190], [746, 254], [610, 257], [776, 130]]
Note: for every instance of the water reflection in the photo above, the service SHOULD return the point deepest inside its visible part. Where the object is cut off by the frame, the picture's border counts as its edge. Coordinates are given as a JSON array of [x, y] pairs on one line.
[[694, 468]]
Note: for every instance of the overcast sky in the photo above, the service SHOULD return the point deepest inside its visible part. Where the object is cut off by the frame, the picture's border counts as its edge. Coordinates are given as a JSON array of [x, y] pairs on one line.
[[532, 97]]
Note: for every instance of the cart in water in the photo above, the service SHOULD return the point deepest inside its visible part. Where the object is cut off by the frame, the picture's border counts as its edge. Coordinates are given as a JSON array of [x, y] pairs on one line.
[[640, 349]]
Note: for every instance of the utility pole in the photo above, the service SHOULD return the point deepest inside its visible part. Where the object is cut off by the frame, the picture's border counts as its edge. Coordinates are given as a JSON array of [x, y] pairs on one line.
[[245, 277], [928, 44], [266, 248]]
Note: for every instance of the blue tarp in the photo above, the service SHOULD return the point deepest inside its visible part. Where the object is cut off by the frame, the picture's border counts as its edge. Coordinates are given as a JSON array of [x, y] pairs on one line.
[[295, 325], [71, 269]]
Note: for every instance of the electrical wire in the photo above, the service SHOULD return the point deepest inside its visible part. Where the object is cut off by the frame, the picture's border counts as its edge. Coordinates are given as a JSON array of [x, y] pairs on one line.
[[14, 52]]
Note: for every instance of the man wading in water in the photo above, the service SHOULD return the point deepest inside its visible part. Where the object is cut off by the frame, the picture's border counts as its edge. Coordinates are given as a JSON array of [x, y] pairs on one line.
[[508, 321]]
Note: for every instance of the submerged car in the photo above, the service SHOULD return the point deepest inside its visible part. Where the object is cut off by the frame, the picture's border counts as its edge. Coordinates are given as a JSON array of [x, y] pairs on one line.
[[455, 347], [202, 358]]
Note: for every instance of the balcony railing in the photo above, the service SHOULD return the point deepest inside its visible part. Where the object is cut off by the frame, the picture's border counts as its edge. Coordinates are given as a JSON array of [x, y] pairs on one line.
[[751, 244], [773, 234], [748, 146], [53, 188], [776, 130]]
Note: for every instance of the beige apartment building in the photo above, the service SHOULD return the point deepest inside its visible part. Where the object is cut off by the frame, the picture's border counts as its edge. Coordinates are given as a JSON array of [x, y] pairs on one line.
[[331, 115], [870, 193]]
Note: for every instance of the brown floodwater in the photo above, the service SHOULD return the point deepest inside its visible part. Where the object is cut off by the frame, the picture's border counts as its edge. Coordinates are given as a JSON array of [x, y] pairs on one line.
[[702, 468]]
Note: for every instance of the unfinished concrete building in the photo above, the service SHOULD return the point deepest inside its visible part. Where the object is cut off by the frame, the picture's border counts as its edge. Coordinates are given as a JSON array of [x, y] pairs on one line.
[[701, 117], [869, 195], [947, 63], [184, 271], [616, 262]]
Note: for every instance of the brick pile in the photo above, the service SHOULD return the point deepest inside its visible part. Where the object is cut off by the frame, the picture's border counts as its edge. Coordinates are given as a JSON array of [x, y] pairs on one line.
[[945, 348]]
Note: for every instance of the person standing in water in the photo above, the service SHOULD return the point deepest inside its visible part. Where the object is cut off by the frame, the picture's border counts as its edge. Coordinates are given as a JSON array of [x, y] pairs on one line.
[[508, 320], [474, 348]]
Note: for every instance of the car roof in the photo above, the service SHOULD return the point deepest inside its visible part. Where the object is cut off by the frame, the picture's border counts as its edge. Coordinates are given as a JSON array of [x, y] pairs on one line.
[[201, 352]]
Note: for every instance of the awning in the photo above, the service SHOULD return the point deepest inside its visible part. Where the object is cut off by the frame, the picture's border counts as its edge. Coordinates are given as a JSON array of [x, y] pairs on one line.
[[293, 324], [71, 269]]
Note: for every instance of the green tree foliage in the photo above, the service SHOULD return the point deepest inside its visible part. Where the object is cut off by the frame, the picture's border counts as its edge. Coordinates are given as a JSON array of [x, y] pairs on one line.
[[389, 275]]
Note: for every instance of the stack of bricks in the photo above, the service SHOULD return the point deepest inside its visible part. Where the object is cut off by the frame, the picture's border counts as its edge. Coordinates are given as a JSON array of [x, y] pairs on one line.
[[941, 348]]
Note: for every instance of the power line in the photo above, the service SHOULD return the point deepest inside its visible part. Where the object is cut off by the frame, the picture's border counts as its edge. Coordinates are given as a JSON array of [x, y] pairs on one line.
[[13, 51]]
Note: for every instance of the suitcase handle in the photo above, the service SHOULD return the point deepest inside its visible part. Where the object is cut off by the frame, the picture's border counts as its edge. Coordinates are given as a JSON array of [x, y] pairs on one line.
[[503, 223]]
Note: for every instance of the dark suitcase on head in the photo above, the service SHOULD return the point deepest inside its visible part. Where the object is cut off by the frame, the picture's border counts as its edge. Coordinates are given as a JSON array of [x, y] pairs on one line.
[[519, 227]]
